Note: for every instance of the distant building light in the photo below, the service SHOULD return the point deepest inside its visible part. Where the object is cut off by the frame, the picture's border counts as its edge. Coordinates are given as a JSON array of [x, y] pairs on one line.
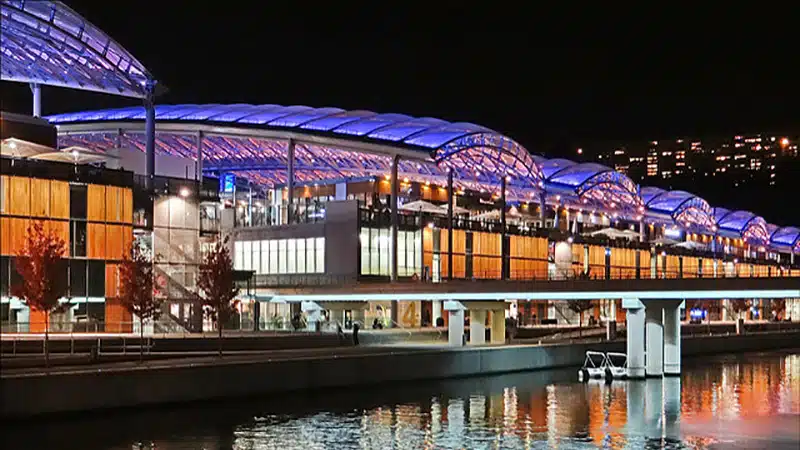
[[185, 192]]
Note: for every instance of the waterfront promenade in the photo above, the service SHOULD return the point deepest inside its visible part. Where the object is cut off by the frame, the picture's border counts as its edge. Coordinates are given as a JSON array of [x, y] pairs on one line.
[[33, 391]]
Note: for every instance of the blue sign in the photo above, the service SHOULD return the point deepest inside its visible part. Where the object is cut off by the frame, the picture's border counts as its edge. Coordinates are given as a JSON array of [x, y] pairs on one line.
[[228, 182]]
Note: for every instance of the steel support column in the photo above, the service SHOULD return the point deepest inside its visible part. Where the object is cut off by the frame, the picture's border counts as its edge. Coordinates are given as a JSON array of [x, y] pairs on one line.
[[450, 207], [395, 189], [36, 89], [542, 203], [503, 247], [290, 180], [199, 157], [150, 140]]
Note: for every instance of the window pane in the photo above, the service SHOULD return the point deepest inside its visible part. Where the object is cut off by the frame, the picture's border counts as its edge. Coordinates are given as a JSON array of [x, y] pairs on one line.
[[310, 256], [402, 269], [291, 256], [77, 278], [77, 201], [282, 256], [273, 256], [4, 268], [320, 252], [238, 261], [256, 256], [246, 256], [264, 257], [78, 238], [96, 278], [363, 244], [301, 256]]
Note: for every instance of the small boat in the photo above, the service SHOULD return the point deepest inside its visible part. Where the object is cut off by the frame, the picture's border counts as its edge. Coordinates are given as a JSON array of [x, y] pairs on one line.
[[594, 366], [617, 365], [607, 366]]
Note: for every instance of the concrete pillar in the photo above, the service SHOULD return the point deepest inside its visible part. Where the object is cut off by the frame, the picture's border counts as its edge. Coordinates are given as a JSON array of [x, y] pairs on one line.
[[654, 341], [477, 327], [672, 339], [437, 310], [641, 231], [635, 340], [498, 332], [455, 328]]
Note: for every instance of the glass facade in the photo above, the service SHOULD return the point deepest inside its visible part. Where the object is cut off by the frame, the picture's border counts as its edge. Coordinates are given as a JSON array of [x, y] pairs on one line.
[[280, 256], [376, 256]]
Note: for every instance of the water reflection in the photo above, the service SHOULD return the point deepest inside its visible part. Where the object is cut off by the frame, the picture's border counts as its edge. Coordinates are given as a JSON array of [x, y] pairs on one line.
[[747, 401]]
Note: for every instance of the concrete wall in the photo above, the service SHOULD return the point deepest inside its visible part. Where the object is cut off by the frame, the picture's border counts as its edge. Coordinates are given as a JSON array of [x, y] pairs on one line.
[[59, 393]]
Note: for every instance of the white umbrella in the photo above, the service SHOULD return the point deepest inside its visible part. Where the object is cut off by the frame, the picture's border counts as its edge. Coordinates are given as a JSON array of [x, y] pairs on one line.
[[691, 245], [664, 241], [76, 155], [612, 233], [421, 206], [456, 210]]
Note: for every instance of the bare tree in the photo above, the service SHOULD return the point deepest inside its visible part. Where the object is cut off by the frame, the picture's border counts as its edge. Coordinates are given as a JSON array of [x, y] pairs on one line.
[[217, 288], [137, 289], [578, 307], [42, 268]]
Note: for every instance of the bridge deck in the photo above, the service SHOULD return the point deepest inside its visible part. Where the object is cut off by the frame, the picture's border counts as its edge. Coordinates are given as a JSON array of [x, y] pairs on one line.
[[786, 287]]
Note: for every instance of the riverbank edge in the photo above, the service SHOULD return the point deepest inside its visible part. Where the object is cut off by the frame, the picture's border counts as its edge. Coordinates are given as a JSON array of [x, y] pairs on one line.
[[29, 396]]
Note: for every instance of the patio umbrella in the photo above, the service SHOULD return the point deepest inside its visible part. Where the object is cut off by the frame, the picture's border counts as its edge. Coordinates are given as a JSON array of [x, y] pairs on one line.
[[421, 206]]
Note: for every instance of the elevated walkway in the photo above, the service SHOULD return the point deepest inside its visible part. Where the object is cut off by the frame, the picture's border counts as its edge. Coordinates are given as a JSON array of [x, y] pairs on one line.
[[686, 288]]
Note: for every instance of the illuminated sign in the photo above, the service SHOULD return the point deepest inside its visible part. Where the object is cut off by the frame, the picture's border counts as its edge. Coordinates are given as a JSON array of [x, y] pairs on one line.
[[228, 182]]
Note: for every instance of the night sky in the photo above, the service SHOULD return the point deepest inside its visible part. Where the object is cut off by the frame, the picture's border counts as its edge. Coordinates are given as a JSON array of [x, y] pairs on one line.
[[552, 82]]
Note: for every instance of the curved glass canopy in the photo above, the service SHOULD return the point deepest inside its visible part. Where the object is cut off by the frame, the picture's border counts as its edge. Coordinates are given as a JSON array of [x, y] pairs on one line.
[[590, 182], [478, 155], [48, 43], [786, 237], [750, 227], [683, 207]]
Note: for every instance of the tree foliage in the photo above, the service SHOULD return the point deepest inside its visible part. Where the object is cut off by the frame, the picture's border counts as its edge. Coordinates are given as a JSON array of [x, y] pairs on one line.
[[579, 306], [43, 273], [739, 305], [137, 290], [217, 287], [42, 269]]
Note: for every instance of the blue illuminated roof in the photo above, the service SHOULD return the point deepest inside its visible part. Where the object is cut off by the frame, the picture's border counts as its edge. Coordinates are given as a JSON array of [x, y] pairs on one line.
[[551, 166], [650, 192], [736, 220], [478, 154], [669, 201], [424, 132], [577, 174], [786, 236], [48, 43], [720, 213]]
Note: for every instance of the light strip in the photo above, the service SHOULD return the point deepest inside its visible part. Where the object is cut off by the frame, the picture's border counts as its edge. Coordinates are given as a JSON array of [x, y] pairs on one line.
[[588, 295]]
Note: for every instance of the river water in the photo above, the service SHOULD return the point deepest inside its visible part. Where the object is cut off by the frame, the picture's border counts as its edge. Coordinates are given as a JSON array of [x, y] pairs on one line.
[[732, 401]]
